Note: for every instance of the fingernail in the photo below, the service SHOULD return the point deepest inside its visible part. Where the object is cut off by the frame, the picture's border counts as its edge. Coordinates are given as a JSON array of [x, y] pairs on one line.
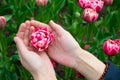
[[51, 21]]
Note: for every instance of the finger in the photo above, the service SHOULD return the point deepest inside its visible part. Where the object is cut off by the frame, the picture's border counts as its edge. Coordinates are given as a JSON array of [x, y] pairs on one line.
[[31, 30], [40, 24], [20, 35], [57, 28], [27, 24], [21, 30], [26, 38], [20, 57], [22, 27], [20, 45]]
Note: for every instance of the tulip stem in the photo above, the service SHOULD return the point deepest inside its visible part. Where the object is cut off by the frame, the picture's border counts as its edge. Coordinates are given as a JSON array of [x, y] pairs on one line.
[[2, 46], [89, 30], [109, 58]]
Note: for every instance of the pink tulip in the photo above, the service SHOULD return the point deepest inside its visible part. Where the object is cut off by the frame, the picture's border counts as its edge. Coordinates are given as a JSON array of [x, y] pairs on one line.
[[2, 22], [41, 38], [111, 48], [90, 15], [117, 41], [41, 2], [108, 2], [83, 3], [97, 5]]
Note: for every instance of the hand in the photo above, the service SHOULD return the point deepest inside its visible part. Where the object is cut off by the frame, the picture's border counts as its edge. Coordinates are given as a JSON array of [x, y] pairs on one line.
[[64, 48], [67, 51], [37, 63]]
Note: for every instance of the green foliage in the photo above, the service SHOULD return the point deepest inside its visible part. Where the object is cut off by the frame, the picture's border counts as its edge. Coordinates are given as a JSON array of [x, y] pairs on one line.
[[66, 13]]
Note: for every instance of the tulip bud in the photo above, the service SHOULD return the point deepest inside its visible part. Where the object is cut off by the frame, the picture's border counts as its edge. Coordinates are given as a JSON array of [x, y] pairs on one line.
[[97, 5], [41, 2], [117, 41], [82, 3], [111, 48], [90, 15], [108, 2], [2, 22]]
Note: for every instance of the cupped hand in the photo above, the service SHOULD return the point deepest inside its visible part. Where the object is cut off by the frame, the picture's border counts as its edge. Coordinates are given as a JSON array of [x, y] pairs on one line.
[[64, 48], [38, 63]]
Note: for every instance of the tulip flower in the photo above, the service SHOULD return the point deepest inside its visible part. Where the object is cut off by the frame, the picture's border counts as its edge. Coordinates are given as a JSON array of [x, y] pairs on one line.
[[41, 38], [96, 5], [108, 2], [2, 22], [111, 48], [41, 2], [90, 15], [117, 41]]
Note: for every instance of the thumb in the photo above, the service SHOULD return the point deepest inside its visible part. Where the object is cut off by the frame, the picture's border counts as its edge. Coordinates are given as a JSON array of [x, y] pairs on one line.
[[20, 45], [57, 28]]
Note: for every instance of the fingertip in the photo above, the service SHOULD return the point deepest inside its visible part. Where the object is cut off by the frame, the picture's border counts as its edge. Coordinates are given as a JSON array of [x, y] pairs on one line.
[[27, 22], [32, 28], [22, 24], [57, 28], [51, 22], [15, 39], [32, 21], [22, 27]]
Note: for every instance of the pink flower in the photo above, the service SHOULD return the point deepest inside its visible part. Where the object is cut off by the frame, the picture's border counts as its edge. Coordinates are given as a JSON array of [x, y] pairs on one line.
[[41, 38], [83, 3], [90, 15], [117, 41], [97, 5], [111, 48], [2, 22], [108, 2], [41, 2]]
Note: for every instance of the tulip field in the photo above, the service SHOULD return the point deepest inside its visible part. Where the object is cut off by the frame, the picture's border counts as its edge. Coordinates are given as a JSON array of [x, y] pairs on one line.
[[95, 25]]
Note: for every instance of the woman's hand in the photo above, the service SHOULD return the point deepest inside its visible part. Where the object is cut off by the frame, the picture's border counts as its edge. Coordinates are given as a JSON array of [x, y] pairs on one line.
[[38, 63]]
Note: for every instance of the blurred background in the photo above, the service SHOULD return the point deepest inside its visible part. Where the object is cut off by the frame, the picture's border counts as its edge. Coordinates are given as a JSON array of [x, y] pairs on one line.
[[69, 15]]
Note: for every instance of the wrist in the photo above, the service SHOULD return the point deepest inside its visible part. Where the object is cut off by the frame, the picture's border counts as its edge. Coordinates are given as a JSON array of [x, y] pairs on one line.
[[86, 64]]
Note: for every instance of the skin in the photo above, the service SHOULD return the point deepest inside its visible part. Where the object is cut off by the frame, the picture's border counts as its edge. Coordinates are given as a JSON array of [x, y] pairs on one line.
[[37, 63], [64, 50]]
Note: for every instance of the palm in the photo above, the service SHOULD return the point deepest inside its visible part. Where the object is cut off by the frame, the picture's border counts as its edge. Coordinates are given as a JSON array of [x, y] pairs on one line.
[[31, 60], [62, 48], [34, 61]]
